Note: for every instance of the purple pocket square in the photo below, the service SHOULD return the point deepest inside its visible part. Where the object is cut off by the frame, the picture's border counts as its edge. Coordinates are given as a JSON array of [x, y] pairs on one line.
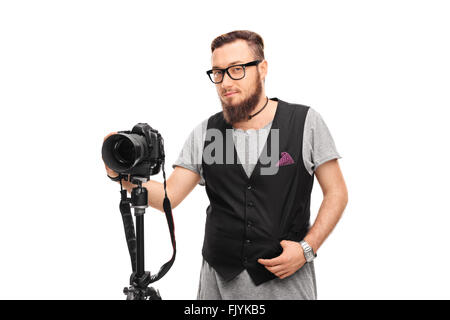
[[285, 159]]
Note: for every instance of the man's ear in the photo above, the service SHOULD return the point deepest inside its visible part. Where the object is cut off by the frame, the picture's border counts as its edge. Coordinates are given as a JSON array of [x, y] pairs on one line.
[[263, 70]]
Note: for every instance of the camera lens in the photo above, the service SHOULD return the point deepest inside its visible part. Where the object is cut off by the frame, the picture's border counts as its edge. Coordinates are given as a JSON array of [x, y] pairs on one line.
[[123, 152]]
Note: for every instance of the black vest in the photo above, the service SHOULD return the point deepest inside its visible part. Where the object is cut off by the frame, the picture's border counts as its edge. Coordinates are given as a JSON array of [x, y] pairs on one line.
[[248, 217]]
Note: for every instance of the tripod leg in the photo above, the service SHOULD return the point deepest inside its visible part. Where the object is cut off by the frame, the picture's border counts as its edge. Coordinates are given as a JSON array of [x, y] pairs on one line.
[[140, 258]]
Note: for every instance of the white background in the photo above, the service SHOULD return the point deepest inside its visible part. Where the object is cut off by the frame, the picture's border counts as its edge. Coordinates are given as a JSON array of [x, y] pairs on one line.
[[73, 71]]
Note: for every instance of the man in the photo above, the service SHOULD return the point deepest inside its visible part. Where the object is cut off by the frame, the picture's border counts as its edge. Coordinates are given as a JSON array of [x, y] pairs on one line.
[[258, 240]]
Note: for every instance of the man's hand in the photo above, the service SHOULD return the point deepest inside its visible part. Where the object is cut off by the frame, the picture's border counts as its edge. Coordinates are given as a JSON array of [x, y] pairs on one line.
[[288, 262], [109, 171]]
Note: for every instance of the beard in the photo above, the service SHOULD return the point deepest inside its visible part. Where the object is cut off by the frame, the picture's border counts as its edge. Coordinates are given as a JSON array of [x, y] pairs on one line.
[[239, 112]]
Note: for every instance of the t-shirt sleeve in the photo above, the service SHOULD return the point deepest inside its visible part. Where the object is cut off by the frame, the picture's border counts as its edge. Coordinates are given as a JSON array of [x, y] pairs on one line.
[[318, 144], [190, 156]]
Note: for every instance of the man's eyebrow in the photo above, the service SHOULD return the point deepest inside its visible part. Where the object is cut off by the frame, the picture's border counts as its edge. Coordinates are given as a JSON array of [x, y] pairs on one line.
[[230, 64]]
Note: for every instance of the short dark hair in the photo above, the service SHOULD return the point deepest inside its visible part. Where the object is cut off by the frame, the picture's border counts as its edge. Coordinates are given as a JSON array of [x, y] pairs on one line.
[[254, 41]]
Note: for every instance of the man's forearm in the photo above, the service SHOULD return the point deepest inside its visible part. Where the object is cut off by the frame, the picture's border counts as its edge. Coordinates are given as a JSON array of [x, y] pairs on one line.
[[330, 212]]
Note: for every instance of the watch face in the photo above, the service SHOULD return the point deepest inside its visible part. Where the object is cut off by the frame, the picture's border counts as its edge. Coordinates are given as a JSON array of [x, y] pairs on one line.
[[309, 256], [308, 252]]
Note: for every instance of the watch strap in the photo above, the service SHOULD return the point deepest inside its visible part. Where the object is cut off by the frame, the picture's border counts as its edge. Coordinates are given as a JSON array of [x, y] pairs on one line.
[[308, 251], [115, 178]]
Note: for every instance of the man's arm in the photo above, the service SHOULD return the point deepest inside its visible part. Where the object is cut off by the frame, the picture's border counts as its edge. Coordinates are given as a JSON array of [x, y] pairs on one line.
[[333, 204], [179, 184], [335, 198]]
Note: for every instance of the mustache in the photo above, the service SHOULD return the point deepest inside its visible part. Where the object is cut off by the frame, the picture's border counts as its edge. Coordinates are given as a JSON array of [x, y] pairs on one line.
[[228, 91]]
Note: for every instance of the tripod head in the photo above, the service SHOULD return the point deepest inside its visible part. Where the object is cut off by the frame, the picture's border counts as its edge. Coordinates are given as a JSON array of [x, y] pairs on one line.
[[139, 195]]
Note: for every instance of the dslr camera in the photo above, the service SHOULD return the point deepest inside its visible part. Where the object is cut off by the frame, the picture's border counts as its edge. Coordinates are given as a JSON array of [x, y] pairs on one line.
[[138, 153]]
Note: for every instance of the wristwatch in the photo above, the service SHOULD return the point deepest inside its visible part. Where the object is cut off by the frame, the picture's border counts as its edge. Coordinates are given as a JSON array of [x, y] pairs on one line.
[[115, 178], [308, 251]]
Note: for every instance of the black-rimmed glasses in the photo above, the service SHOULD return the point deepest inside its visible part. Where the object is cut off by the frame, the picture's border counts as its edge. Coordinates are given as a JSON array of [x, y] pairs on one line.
[[235, 72]]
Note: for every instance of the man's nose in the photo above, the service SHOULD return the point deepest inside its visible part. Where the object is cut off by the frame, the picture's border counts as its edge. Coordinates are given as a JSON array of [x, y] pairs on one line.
[[226, 81]]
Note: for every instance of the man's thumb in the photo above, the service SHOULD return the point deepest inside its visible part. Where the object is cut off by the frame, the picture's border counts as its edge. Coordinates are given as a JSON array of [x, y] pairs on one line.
[[284, 244]]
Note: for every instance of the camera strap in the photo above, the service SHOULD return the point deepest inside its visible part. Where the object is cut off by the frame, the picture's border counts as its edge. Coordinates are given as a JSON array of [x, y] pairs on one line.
[[125, 210]]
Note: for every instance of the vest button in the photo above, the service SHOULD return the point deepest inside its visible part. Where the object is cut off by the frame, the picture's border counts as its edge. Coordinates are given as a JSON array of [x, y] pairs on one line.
[[248, 241], [250, 204], [249, 187]]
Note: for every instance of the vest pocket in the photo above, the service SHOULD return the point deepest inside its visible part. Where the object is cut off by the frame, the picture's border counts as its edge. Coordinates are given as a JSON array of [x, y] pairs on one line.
[[271, 249]]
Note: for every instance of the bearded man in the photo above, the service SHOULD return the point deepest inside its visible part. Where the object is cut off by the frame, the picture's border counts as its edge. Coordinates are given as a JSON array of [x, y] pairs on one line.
[[257, 159]]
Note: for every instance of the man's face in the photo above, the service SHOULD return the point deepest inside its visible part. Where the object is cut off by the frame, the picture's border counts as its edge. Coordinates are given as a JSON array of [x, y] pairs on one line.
[[238, 97]]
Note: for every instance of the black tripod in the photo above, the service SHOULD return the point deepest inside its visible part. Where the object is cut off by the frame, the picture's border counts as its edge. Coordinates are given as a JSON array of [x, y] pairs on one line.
[[140, 279]]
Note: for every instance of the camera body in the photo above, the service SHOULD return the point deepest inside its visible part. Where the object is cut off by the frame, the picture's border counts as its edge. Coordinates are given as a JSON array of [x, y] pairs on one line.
[[138, 153]]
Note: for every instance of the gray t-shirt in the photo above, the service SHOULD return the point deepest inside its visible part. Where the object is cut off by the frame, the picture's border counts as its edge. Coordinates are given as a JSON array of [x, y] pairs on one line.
[[318, 148], [318, 145]]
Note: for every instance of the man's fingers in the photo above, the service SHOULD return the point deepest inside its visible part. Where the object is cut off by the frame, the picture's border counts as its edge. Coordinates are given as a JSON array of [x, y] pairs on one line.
[[109, 171], [284, 275], [271, 262], [108, 136], [277, 269]]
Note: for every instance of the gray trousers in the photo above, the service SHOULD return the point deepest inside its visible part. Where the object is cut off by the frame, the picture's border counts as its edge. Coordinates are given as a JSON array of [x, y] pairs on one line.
[[299, 286]]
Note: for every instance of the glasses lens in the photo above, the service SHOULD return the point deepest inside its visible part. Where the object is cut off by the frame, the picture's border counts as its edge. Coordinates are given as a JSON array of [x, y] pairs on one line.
[[216, 76], [236, 72]]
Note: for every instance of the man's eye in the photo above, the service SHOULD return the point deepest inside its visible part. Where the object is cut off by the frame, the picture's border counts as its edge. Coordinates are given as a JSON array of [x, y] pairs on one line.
[[217, 72]]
